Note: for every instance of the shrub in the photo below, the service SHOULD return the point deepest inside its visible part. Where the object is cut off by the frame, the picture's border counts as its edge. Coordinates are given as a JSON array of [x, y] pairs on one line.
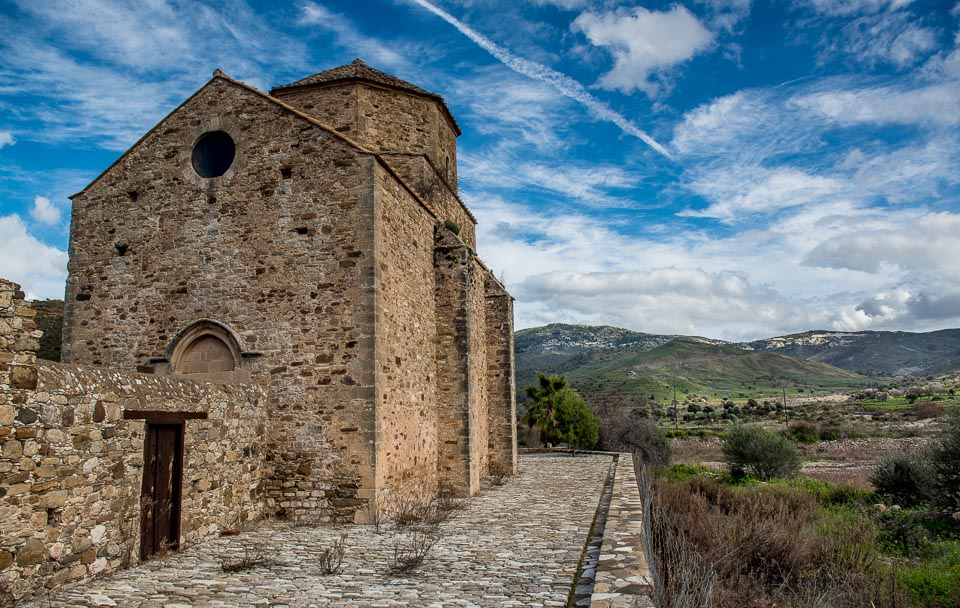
[[684, 472], [804, 431], [751, 451], [923, 411], [331, 558], [945, 462], [905, 479], [410, 551], [649, 443], [623, 430], [903, 533]]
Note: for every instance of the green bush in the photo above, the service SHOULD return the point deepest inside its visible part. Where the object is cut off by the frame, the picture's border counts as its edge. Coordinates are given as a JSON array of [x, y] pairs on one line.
[[750, 451], [904, 479], [577, 424], [804, 431], [830, 494], [685, 472]]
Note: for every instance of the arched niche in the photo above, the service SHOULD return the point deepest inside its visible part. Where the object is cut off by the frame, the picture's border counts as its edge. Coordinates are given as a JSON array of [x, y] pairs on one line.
[[204, 347]]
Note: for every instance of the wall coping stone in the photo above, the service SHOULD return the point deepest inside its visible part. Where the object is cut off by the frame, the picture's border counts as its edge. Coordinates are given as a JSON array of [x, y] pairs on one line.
[[623, 572]]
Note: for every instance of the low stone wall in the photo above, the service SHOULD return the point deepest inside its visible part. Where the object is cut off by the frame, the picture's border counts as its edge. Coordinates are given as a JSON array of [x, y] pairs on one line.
[[71, 464], [623, 573]]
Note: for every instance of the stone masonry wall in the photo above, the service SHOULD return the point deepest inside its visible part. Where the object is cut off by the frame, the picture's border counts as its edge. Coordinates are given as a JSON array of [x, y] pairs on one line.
[[384, 120], [423, 177], [406, 342], [477, 376], [71, 466], [410, 131], [459, 396], [501, 395], [335, 106], [279, 249]]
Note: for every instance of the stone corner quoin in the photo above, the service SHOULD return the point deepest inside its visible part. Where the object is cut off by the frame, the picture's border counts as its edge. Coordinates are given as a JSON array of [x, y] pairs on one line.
[[274, 307]]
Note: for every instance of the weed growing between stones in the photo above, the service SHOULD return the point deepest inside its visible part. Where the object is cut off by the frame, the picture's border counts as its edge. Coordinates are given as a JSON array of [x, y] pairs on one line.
[[127, 533], [499, 473], [417, 521], [254, 555], [410, 550], [331, 558]]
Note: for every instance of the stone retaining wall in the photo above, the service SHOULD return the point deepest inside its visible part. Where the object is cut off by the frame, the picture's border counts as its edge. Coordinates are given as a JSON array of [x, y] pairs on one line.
[[71, 465]]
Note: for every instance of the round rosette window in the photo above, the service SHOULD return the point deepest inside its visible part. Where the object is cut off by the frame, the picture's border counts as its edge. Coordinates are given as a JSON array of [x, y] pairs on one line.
[[213, 154]]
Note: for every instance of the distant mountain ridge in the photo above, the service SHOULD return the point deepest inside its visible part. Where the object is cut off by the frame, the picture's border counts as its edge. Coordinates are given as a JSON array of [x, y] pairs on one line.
[[884, 353], [897, 353]]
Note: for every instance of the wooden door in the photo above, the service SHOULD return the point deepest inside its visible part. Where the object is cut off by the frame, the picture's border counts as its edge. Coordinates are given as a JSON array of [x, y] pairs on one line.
[[160, 497]]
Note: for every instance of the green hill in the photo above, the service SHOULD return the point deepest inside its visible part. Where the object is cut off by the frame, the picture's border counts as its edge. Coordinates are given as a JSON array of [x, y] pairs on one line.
[[612, 361]]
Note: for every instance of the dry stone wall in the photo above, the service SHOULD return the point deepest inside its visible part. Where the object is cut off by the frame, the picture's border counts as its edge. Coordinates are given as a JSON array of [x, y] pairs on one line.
[[71, 465]]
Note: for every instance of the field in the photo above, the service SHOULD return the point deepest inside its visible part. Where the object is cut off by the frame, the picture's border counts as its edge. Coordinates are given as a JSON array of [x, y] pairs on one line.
[[826, 537]]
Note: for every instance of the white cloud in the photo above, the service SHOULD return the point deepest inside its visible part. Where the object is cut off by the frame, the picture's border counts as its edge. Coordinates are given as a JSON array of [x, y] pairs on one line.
[[725, 15], [44, 211], [571, 267], [742, 190], [937, 104], [661, 300], [931, 242], [349, 37], [567, 5], [565, 85], [645, 44], [855, 7], [893, 38], [718, 123], [6, 139], [592, 184], [40, 269], [92, 71], [517, 110]]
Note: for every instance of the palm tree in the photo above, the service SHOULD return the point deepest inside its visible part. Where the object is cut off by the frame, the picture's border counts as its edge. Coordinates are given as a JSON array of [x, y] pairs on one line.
[[541, 412]]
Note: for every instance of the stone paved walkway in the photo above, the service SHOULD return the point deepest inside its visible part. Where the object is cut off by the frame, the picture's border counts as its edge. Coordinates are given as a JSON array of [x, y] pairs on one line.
[[514, 545]]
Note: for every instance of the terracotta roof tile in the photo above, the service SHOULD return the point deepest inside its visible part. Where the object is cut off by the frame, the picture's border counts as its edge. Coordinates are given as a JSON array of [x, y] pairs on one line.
[[356, 70]]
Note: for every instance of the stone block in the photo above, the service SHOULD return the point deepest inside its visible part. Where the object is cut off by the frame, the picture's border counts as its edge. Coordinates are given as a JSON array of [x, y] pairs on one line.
[[32, 552], [23, 377]]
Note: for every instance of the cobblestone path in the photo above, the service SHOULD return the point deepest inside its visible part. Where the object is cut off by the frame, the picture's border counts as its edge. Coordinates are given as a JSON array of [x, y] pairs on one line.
[[514, 545]]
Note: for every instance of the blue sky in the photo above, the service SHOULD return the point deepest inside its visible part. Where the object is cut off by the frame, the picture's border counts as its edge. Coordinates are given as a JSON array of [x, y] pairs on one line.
[[732, 169]]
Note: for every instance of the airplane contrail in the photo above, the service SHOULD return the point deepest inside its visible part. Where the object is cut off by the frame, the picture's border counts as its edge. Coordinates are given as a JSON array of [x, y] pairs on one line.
[[564, 84]]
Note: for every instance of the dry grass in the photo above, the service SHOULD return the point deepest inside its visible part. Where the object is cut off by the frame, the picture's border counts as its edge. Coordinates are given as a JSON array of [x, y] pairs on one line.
[[696, 450], [767, 546]]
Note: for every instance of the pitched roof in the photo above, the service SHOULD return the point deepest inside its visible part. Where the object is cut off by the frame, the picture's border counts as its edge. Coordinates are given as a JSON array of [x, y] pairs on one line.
[[357, 70]]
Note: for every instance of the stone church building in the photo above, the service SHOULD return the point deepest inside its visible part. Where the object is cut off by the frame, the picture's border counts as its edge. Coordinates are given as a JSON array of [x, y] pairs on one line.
[[274, 306]]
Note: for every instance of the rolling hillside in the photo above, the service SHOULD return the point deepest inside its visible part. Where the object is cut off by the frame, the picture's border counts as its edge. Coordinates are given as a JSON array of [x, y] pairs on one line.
[[634, 364]]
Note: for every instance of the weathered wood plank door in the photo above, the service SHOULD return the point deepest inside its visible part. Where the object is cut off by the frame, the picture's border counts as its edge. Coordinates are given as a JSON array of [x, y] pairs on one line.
[[160, 497]]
